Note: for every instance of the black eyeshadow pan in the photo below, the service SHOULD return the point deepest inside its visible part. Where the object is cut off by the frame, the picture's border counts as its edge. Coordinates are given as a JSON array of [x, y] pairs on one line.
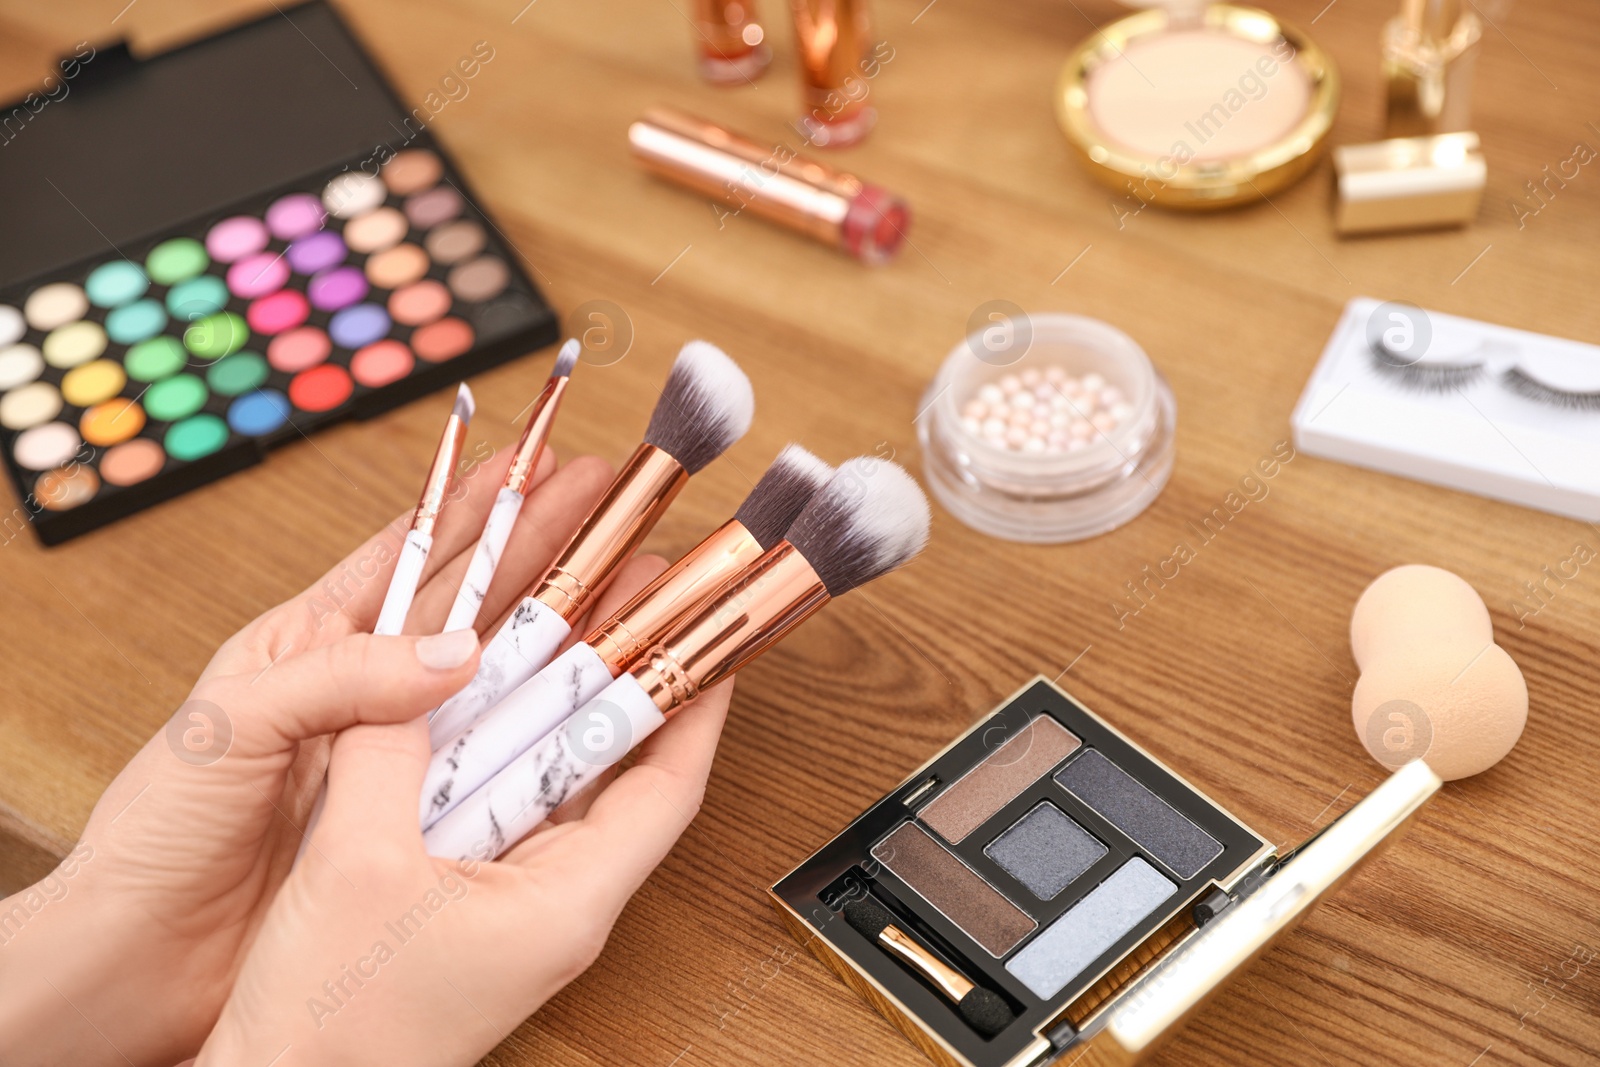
[[1151, 822], [1045, 850]]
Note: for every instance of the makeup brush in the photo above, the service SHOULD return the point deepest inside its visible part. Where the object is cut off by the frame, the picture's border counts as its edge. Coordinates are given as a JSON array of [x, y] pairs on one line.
[[508, 502], [419, 539], [869, 519], [462, 763], [984, 1010], [705, 406], [414, 553]]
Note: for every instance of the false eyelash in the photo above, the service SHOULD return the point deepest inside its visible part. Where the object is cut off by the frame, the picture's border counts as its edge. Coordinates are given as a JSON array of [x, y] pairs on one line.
[[1532, 388], [1423, 377]]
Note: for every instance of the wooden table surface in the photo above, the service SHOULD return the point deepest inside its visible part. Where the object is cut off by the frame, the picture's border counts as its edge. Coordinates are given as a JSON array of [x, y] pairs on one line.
[[1463, 945]]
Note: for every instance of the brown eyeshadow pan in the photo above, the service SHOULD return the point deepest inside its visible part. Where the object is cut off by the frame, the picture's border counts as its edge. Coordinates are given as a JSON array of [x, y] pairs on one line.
[[959, 893], [1001, 777]]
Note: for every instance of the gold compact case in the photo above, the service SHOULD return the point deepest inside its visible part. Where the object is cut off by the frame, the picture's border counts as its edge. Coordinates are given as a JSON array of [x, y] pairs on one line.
[[1408, 183], [1198, 107], [1046, 892]]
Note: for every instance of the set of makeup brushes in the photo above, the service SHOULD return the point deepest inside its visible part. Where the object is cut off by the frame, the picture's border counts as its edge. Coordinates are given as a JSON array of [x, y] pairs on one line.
[[534, 727]]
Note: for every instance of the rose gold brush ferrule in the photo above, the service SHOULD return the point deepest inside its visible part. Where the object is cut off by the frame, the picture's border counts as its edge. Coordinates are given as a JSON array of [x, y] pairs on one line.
[[636, 499], [535, 434], [833, 38], [773, 182], [955, 984], [711, 564], [747, 617], [437, 483]]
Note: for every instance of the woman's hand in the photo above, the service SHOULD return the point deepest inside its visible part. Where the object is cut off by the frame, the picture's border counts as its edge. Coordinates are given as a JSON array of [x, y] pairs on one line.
[[172, 881]]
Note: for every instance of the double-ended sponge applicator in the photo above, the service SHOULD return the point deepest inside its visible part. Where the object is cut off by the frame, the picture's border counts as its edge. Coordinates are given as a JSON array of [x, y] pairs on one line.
[[705, 406], [462, 763], [869, 519]]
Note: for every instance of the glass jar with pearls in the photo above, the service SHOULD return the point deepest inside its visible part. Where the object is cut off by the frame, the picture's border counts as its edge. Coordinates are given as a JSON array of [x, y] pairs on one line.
[[1046, 428]]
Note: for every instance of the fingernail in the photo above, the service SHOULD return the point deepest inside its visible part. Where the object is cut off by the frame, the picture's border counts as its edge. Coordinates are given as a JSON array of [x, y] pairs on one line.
[[446, 652]]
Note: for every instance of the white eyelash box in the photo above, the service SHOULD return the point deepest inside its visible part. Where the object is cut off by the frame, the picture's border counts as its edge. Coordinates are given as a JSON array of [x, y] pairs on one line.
[[1502, 413]]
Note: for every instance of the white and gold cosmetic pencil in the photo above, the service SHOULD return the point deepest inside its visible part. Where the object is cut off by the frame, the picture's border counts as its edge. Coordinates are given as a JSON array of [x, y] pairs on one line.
[[705, 406], [419, 539], [414, 552], [869, 519], [508, 502], [462, 763]]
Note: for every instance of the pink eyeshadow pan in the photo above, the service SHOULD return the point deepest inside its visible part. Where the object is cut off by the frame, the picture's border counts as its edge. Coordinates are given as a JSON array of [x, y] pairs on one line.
[[381, 362], [277, 312], [292, 217], [298, 349], [969, 802], [439, 204], [235, 238], [337, 288], [258, 275], [418, 304]]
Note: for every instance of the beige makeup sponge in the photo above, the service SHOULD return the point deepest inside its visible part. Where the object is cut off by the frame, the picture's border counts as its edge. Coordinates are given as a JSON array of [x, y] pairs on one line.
[[1460, 709], [1417, 606]]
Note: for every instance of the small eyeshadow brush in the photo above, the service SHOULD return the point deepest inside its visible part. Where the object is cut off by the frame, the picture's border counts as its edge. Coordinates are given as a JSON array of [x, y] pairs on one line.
[[869, 519], [705, 406], [419, 539], [465, 761], [508, 502], [984, 1010]]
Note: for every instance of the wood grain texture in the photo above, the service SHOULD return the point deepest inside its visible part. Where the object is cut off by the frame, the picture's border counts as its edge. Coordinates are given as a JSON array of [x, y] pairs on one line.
[[1463, 946]]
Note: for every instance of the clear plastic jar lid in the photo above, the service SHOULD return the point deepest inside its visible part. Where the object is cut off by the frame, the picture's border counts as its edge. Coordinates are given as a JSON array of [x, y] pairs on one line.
[[1047, 428]]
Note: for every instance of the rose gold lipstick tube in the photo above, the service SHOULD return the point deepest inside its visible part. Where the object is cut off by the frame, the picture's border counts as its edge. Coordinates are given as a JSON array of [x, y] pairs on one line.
[[629, 510], [747, 617], [437, 484], [711, 564], [731, 43], [772, 181], [535, 434], [833, 37]]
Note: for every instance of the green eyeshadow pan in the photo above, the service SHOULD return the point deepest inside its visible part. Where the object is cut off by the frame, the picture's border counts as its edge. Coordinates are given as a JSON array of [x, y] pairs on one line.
[[177, 260], [175, 398], [157, 358], [238, 373], [195, 437]]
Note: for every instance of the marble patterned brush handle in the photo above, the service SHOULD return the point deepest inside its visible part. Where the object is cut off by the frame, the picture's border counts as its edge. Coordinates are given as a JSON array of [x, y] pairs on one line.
[[517, 652], [403, 585], [485, 560], [514, 802], [473, 756]]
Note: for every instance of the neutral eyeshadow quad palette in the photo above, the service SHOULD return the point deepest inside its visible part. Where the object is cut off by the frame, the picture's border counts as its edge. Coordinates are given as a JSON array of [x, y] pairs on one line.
[[1045, 887], [225, 247]]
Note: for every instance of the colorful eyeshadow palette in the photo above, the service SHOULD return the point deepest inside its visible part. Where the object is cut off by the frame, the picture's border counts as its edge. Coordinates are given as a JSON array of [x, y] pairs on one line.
[[170, 327], [1047, 859]]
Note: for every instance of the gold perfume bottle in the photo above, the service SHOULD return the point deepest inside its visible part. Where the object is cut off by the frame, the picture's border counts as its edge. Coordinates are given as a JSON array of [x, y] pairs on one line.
[[1429, 50]]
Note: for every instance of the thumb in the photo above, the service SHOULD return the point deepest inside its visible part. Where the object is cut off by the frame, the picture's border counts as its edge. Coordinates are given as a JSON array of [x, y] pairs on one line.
[[359, 679]]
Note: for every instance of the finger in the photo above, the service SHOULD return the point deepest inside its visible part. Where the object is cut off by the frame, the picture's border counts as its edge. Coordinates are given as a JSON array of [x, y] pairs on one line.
[[351, 592], [360, 678], [374, 780], [548, 520], [632, 825]]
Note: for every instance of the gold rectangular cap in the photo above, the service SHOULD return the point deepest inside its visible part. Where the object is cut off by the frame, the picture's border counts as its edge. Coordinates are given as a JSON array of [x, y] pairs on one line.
[[1408, 183]]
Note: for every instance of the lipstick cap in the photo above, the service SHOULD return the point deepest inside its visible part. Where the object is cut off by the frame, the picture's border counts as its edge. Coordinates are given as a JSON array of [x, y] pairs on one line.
[[1408, 183]]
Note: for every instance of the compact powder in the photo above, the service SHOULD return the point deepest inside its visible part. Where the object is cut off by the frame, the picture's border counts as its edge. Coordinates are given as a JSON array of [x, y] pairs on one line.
[[959, 893], [1001, 777], [45, 446], [1205, 90], [412, 171], [1046, 851], [376, 230], [1110, 912], [66, 488], [481, 279], [133, 462], [455, 241], [1154, 825]]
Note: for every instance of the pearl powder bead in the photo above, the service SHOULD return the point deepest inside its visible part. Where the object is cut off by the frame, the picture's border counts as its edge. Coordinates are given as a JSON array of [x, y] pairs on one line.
[[994, 427], [1010, 383], [1016, 435], [1104, 422], [1033, 445], [991, 393], [1055, 375], [1030, 377], [1045, 411], [974, 409], [971, 425], [1093, 382]]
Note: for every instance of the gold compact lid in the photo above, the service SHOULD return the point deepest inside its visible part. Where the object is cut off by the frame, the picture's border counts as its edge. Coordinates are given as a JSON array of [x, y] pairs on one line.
[[1408, 183], [1159, 1002], [1184, 175]]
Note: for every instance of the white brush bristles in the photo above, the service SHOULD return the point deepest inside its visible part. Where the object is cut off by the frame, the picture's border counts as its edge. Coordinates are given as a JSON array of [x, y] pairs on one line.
[[567, 359], [870, 518], [706, 405], [465, 405]]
